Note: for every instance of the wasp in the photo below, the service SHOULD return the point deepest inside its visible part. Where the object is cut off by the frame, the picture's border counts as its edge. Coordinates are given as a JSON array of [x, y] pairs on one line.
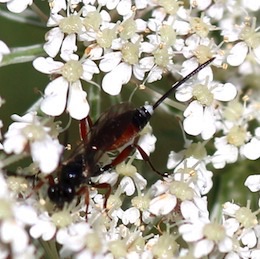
[[115, 128]]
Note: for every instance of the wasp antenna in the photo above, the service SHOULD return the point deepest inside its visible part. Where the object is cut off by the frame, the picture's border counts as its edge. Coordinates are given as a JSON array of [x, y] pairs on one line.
[[183, 80]]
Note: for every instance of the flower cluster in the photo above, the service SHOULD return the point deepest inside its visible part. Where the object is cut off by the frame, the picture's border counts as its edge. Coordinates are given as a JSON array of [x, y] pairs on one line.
[[98, 45]]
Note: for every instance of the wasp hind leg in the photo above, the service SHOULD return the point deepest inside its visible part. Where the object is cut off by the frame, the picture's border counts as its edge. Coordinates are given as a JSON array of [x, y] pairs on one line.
[[125, 153]]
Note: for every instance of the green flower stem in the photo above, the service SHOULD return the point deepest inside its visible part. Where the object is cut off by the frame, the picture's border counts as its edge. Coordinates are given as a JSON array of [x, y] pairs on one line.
[[50, 249], [11, 159], [22, 54]]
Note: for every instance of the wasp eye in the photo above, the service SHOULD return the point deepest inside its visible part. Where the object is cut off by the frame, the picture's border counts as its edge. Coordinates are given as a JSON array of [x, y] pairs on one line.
[[59, 194]]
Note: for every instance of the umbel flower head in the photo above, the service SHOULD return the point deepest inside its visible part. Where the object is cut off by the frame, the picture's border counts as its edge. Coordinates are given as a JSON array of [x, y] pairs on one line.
[[99, 200]]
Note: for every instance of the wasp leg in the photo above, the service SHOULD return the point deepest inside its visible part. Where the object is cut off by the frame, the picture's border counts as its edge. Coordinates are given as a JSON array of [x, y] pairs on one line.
[[106, 186], [84, 126], [147, 159], [40, 184], [125, 153], [85, 190]]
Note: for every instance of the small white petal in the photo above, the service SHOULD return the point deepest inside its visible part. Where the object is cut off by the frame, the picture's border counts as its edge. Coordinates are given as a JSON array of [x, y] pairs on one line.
[[184, 94], [43, 228], [18, 6], [237, 54], [146, 63], [3, 48], [113, 81], [209, 127], [251, 150], [131, 215], [26, 214], [27, 118], [147, 143], [251, 4], [225, 92], [110, 61], [77, 104], [257, 132], [15, 144], [140, 181], [58, 6], [186, 208], [201, 4], [175, 158], [230, 208], [163, 204], [15, 235], [181, 27], [68, 47], [124, 7], [215, 12], [155, 74], [89, 68], [249, 238], [231, 226], [192, 232], [46, 153], [127, 185], [226, 154], [253, 183], [193, 123], [111, 4], [54, 39], [55, 96], [225, 245], [203, 248], [47, 65]]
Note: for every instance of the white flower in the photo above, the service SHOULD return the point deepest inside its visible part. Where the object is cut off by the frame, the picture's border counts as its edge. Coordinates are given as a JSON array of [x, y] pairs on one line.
[[45, 150], [225, 154], [43, 228], [243, 215], [248, 37], [131, 180], [207, 235], [66, 91], [195, 173], [17, 6], [218, 8], [15, 218], [63, 36], [242, 223], [72, 238], [119, 66], [200, 115]]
